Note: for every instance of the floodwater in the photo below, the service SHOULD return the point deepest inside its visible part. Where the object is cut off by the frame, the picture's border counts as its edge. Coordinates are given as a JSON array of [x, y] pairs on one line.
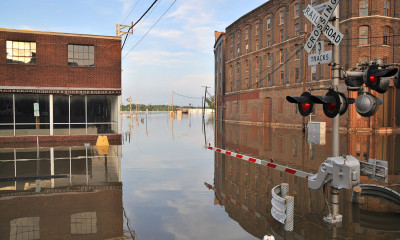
[[162, 183]]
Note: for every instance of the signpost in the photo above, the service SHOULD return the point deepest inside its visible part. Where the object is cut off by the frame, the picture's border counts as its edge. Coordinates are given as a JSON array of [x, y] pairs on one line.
[[321, 25]]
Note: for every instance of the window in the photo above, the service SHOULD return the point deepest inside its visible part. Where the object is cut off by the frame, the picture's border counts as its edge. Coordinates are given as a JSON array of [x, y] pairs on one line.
[[269, 41], [296, 75], [363, 59], [386, 8], [282, 36], [258, 62], [232, 54], [247, 48], [282, 56], [297, 10], [313, 2], [270, 80], [314, 73], [257, 28], [297, 55], [385, 60], [238, 50], [282, 78], [238, 38], [248, 83], [363, 8], [363, 35], [280, 103], [247, 65], [269, 60], [21, 52], [386, 35], [268, 23], [258, 45], [231, 41], [297, 29], [247, 33], [258, 82], [80, 55], [282, 16]]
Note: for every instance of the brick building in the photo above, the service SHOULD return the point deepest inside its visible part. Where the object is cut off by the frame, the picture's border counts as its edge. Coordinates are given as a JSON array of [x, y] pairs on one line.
[[265, 62], [58, 84]]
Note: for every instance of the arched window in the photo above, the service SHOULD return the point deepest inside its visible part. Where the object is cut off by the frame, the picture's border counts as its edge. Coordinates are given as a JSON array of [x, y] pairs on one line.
[[363, 8], [364, 35], [386, 31]]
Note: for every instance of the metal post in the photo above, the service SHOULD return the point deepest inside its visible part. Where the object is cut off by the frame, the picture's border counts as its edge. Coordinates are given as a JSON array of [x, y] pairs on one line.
[[335, 83]]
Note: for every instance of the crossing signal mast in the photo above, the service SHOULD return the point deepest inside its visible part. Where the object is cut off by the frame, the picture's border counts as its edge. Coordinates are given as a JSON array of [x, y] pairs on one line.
[[376, 76]]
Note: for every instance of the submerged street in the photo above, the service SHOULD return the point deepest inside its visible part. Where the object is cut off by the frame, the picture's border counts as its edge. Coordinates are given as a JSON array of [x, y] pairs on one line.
[[162, 183]]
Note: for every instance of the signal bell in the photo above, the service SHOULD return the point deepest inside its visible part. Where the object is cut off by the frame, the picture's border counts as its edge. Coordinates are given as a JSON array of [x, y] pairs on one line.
[[377, 79], [367, 104]]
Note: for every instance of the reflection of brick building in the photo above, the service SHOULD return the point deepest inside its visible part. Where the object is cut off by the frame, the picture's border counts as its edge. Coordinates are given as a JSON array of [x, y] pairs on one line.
[[87, 204], [251, 184], [265, 61], [58, 84]]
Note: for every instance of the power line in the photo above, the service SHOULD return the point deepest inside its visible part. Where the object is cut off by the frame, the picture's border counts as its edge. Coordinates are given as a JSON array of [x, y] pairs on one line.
[[150, 28], [185, 96], [134, 6], [139, 21]]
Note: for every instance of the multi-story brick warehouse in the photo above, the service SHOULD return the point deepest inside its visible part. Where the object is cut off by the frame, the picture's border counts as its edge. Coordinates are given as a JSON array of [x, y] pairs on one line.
[[265, 62], [59, 84]]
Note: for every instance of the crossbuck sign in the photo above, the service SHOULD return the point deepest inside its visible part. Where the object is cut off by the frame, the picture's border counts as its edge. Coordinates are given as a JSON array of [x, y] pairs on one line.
[[321, 25]]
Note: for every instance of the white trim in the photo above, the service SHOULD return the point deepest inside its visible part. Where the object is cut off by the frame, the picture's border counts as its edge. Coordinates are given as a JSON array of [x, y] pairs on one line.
[[373, 16]]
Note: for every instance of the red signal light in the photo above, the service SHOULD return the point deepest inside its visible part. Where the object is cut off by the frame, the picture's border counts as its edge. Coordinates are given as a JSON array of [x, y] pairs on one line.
[[373, 80], [331, 107], [305, 106]]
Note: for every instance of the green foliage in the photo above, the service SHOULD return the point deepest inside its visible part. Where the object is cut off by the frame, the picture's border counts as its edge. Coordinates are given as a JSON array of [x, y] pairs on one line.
[[211, 102]]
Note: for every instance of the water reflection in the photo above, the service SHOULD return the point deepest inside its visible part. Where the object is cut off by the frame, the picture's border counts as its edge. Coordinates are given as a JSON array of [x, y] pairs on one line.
[[61, 193], [239, 183]]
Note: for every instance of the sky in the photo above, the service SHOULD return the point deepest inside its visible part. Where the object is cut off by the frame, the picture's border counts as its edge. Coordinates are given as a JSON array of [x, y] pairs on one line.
[[175, 55]]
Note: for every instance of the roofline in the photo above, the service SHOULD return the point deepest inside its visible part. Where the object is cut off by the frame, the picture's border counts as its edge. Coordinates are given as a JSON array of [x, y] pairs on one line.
[[246, 14], [218, 39], [58, 33]]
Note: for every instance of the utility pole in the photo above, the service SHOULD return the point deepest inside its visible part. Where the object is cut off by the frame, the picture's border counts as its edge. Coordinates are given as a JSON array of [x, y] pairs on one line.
[[172, 101], [205, 97]]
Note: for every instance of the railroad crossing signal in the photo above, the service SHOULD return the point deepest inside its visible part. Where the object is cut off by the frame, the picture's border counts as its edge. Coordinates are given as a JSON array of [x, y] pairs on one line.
[[375, 78], [333, 103], [321, 25]]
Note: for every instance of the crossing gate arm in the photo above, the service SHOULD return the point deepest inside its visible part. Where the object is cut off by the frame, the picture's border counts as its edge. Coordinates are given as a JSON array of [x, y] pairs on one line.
[[338, 172], [278, 167]]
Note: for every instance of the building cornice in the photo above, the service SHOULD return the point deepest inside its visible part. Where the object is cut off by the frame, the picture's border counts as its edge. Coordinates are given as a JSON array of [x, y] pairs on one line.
[[60, 90], [368, 17], [58, 33]]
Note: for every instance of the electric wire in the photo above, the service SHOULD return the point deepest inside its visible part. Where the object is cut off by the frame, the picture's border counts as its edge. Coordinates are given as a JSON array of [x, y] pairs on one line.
[[186, 96], [149, 29], [138, 21], [134, 6]]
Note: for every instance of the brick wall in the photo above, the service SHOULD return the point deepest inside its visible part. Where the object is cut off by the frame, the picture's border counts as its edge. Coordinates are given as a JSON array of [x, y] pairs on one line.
[[278, 88], [51, 68]]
